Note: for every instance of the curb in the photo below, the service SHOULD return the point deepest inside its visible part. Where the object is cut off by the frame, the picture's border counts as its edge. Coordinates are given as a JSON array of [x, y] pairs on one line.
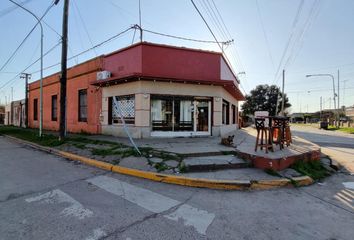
[[177, 180]]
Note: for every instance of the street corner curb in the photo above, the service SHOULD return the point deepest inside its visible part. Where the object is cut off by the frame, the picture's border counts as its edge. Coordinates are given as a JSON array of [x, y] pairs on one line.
[[303, 181], [185, 181], [283, 182], [177, 180], [88, 161], [269, 184]]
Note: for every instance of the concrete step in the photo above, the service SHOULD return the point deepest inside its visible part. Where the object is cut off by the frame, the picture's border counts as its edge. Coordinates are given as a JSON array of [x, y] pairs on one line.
[[208, 154], [212, 163]]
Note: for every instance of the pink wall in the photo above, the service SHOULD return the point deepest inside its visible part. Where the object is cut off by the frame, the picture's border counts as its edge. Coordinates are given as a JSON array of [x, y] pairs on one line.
[[162, 61], [125, 62], [79, 77], [179, 63]]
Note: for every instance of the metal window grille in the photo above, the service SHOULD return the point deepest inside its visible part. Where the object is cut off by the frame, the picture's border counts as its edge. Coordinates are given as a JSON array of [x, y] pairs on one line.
[[127, 106]]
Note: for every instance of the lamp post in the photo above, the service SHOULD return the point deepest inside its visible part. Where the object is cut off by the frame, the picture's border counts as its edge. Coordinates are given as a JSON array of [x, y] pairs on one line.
[[41, 80], [334, 91]]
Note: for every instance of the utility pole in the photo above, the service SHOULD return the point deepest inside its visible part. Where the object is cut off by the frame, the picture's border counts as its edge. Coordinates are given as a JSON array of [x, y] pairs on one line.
[[141, 29], [63, 76], [338, 90], [26, 76], [320, 108], [338, 111], [282, 102]]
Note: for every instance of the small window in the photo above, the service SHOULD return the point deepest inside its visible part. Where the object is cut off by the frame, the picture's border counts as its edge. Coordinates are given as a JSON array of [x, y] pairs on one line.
[[126, 104], [35, 109], [83, 105], [225, 112], [54, 108], [233, 114]]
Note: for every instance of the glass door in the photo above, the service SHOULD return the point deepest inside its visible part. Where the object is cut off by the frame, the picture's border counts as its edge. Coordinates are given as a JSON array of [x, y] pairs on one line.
[[202, 123]]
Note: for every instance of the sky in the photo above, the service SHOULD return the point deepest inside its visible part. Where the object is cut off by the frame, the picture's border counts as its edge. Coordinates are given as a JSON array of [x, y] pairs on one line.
[[301, 36]]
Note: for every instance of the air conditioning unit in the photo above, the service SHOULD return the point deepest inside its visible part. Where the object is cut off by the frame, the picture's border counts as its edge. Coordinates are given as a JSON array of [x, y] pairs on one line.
[[103, 75]]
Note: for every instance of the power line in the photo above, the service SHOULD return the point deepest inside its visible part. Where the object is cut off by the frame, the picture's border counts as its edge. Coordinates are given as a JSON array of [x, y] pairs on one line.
[[222, 20], [216, 40], [89, 49], [24, 40], [308, 23], [83, 23], [12, 8], [264, 33], [316, 90], [212, 18], [179, 37], [206, 23], [50, 50], [296, 19]]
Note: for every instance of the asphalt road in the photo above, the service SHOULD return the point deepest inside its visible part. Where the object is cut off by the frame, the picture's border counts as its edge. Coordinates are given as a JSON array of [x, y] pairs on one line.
[[339, 146], [47, 197]]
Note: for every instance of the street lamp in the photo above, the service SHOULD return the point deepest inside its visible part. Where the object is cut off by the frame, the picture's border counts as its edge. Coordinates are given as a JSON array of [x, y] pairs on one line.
[[334, 92], [41, 80]]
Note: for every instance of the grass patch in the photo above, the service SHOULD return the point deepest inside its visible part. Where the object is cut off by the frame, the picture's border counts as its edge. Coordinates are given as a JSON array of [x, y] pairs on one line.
[[161, 166], [31, 135], [182, 168], [349, 130], [79, 145], [114, 148], [105, 151], [93, 141], [313, 169]]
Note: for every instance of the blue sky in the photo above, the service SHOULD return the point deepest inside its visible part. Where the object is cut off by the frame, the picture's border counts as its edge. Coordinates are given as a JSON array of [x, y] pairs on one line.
[[321, 34]]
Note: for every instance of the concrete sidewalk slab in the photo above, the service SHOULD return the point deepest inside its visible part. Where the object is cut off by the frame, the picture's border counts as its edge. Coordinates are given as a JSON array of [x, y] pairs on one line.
[[179, 179], [214, 163]]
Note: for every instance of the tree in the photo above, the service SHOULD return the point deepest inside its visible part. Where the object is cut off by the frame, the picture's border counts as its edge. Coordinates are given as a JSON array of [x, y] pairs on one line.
[[264, 98]]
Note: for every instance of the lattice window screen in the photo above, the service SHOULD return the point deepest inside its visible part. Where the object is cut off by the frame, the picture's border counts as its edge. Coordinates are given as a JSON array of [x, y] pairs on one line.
[[127, 106]]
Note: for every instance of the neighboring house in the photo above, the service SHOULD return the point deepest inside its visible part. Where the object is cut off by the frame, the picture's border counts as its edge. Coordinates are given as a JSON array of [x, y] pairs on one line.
[[18, 113], [8, 115], [349, 112], [297, 117], [162, 91], [2, 114]]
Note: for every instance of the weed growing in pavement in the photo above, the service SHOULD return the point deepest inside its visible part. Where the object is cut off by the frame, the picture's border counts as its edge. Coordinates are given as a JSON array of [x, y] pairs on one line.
[[182, 168], [313, 169], [161, 166], [31, 135], [114, 148]]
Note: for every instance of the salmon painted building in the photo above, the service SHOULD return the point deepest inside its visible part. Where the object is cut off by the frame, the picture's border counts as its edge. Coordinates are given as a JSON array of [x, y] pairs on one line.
[[162, 91]]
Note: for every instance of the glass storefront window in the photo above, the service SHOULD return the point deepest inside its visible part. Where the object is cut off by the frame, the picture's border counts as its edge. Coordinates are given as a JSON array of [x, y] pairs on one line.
[[171, 114]]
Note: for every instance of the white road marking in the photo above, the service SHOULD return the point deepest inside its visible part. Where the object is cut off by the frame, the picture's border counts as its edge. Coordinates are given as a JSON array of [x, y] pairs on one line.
[[157, 203], [151, 201], [57, 196], [349, 185], [97, 234], [199, 219]]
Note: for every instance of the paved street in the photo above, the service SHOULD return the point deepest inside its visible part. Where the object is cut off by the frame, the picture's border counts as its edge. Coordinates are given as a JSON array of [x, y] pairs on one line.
[[47, 197], [339, 146]]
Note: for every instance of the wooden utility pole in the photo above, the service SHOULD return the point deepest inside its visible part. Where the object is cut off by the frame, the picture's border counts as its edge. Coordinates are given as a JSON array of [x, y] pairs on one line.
[[140, 27], [282, 92], [63, 76], [26, 76]]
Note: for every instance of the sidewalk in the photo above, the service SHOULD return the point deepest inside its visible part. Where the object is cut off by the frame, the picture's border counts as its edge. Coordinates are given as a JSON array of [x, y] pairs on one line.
[[244, 143], [198, 162], [205, 157]]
